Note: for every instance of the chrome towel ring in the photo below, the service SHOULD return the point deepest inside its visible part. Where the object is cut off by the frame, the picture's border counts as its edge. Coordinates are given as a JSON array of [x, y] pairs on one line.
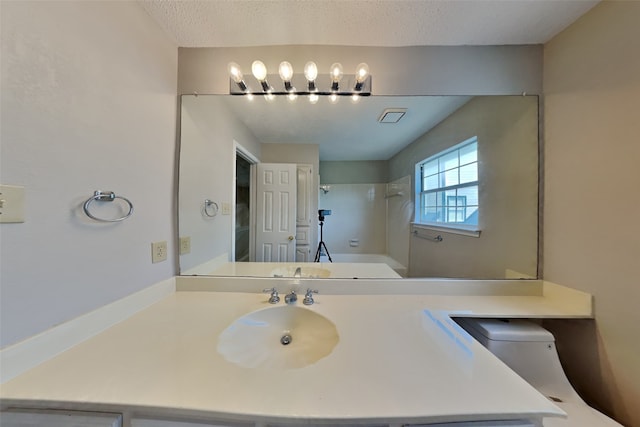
[[210, 208], [106, 196]]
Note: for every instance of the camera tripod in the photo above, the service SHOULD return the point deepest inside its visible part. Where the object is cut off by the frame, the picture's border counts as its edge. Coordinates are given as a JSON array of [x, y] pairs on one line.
[[322, 245]]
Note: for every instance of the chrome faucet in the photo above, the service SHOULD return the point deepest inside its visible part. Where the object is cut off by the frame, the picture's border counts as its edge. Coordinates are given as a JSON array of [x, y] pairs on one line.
[[308, 297], [274, 298], [298, 272], [291, 298]]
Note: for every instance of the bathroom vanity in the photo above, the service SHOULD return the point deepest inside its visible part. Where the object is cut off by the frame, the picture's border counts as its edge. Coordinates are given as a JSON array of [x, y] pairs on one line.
[[396, 357]]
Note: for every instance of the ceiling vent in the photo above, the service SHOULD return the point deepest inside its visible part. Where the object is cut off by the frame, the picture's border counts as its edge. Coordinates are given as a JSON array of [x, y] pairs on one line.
[[392, 115]]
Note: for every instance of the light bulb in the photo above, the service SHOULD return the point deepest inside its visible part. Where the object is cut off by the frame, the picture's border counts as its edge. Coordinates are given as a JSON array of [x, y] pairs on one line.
[[313, 98], [235, 72], [249, 96], [362, 71], [259, 70], [310, 71], [355, 97], [333, 98], [269, 96], [286, 71], [336, 72]]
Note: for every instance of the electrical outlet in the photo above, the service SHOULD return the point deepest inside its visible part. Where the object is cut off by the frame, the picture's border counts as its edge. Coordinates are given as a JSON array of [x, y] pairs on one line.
[[226, 208], [11, 203], [158, 251], [185, 245]]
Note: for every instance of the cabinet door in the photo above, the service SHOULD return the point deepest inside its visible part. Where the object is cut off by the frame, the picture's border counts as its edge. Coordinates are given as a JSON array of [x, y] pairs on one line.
[[53, 418]]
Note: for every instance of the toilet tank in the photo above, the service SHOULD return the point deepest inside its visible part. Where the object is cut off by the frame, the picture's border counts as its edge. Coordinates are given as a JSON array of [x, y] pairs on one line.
[[528, 349]]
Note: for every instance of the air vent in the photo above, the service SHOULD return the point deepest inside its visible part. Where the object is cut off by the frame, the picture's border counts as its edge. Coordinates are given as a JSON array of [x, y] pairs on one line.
[[392, 115]]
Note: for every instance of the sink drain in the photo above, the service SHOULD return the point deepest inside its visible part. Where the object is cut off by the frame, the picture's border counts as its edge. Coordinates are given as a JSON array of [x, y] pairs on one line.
[[286, 339]]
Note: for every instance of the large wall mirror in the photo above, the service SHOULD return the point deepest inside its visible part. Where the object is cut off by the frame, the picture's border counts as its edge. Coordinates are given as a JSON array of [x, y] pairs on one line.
[[378, 187]]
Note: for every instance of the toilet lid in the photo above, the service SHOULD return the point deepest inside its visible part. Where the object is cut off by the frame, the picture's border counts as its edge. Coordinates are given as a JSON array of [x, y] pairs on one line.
[[507, 329]]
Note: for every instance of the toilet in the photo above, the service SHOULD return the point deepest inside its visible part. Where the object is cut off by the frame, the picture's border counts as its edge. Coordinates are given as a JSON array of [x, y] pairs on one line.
[[530, 351]]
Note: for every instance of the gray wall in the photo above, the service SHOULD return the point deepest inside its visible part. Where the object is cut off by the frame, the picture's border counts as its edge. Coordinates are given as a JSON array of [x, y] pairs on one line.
[[423, 70], [507, 131], [354, 172], [592, 200]]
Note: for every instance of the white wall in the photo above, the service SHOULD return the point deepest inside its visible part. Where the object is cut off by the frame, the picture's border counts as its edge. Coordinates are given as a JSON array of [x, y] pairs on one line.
[[207, 161], [88, 96], [592, 199]]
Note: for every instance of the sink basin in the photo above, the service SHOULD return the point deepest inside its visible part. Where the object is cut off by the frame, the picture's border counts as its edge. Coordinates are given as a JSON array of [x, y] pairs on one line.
[[307, 272], [283, 337]]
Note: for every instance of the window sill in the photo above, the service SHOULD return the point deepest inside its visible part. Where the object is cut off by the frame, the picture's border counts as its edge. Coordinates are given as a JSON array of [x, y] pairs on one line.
[[464, 231]]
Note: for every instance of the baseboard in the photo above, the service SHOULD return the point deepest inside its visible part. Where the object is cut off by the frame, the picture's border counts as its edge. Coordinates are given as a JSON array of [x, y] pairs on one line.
[[22, 356]]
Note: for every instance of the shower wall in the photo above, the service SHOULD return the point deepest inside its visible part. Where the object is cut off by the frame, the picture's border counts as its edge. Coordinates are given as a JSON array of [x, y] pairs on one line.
[[357, 221]]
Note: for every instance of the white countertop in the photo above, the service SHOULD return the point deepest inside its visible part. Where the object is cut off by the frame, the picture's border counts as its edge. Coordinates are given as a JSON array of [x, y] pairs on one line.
[[399, 359]]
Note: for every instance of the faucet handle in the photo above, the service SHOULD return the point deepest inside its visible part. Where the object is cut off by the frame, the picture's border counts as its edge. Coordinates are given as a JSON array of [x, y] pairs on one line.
[[308, 297], [274, 298]]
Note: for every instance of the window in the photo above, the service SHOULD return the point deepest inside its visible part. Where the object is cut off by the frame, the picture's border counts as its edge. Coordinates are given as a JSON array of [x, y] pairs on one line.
[[448, 187]]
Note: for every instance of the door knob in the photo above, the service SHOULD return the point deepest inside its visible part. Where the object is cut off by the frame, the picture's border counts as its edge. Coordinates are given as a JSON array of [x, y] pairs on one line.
[[291, 238]]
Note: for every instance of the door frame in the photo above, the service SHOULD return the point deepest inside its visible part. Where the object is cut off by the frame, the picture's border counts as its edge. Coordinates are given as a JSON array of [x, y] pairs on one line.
[[241, 151]]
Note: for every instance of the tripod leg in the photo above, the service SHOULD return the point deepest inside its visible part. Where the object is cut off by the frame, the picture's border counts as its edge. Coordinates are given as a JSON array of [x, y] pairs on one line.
[[326, 251], [317, 258]]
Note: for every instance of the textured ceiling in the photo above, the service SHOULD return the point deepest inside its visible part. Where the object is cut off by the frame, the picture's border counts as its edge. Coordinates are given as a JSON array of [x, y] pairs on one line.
[[238, 23]]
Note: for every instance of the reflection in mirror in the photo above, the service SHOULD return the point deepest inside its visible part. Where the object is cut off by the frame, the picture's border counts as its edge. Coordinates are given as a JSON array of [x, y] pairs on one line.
[[417, 186]]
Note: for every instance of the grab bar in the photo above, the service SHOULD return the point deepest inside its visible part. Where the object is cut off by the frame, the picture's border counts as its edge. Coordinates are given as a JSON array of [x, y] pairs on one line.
[[106, 196], [437, 238]]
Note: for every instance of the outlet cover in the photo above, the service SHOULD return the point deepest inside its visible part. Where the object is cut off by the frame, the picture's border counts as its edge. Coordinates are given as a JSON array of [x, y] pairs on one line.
[[11, 203], [185, 245], [226, 208], [158, 251]]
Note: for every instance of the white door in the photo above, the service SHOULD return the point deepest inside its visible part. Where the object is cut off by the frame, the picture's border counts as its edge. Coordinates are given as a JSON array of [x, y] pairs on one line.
[[276, 209]]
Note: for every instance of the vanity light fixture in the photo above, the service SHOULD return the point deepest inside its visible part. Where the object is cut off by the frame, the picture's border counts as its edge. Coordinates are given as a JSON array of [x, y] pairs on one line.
[[336, 75], [286, 73], [236, 75], [362, 72], [311, 73], [333, 85], [259, 71]]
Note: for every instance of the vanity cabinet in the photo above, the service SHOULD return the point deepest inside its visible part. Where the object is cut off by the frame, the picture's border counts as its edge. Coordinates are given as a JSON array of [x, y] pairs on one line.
[[58, 418], [304, 216], [139, 422]]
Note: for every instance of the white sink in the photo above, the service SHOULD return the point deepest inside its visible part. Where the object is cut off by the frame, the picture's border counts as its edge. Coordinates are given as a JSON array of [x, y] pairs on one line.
[[282, 337]]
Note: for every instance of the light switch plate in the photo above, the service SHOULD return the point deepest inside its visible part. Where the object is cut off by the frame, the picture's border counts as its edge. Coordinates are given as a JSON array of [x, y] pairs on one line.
[[226, 208], [11, 203]]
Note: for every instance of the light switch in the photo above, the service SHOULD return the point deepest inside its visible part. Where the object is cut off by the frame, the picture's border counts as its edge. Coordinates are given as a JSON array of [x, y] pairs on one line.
[[11, 203], [226, 208]]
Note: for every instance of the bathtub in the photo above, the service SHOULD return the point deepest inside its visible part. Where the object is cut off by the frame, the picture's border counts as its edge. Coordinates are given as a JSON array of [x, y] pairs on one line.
[[371, 258]]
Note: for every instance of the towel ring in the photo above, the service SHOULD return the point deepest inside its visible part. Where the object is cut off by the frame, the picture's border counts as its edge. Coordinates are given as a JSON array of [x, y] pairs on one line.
[[210, 206], [106, 196]]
